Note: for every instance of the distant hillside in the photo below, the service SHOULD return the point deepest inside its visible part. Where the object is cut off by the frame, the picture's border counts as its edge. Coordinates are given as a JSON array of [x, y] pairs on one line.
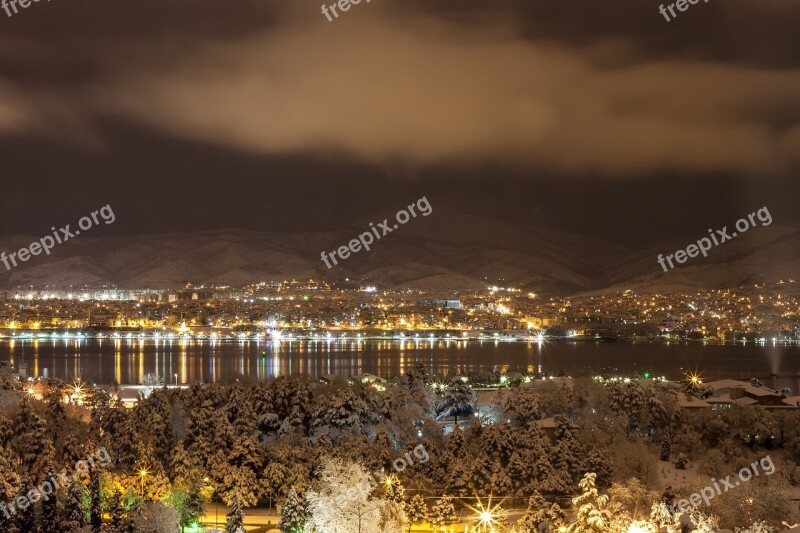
[[762, 254], [444, 250], [447, 249]]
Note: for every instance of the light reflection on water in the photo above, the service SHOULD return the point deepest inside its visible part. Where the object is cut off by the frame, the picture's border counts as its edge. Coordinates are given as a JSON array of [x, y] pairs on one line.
[[128, 360]]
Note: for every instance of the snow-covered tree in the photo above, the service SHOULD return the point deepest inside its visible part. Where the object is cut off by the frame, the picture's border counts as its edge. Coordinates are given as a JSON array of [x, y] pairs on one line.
[[234, 522], [9, 479], [73, 516], [32, 440], [416, 511], [757, 527], [119, 520], [181, 467], [236, 482], [457, 399], [151, 382], [666, 446], [193, 506], [25, 518], [293, 514], [339, 411], [342, 501], [662, 517], [633, 497], [392, 518], [523, 405], [56, 415], [156, 483], [703, 523], [539, 512], [394, 490], [681, 461], [443, 512], [591, 509], [155, 517], [95, 506]]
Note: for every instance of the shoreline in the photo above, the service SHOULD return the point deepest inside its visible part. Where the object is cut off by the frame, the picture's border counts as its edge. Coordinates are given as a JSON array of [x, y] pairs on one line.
[[339, 336]]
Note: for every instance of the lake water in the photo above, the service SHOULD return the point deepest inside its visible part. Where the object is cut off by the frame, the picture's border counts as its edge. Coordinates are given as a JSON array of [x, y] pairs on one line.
[[128, 360]]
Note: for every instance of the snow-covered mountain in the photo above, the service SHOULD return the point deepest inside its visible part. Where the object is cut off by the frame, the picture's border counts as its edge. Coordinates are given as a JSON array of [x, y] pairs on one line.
[[446, 250]]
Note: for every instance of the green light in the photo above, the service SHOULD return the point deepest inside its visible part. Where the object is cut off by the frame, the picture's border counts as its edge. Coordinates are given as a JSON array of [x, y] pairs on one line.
[[647, 375]]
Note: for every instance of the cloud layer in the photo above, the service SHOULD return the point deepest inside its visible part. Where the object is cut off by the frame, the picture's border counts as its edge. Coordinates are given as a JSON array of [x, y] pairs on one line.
[[386, 83]]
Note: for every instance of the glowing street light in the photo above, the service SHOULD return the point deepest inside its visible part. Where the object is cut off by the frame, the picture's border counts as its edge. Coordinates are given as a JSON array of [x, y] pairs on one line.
[[142, 473], [488, 517], [77, 393]]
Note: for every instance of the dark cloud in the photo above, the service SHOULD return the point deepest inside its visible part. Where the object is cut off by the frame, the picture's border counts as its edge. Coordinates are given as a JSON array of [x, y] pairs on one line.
[[161, 103]]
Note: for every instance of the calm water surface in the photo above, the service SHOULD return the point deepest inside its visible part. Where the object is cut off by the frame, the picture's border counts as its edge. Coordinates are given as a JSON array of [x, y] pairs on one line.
[[128, 360]]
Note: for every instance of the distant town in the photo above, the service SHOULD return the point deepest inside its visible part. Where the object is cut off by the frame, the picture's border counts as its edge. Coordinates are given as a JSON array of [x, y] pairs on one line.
[[766, 312]]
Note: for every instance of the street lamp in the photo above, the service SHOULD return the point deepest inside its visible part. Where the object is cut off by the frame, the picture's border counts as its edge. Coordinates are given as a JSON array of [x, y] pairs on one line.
[[142, 474], [486, 519]]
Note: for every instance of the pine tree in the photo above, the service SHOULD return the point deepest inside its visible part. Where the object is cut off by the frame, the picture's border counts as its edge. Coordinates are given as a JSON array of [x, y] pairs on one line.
[[31, 438], [116, 511], [224, 435], [240, 411], [235, 518], [237, 482], [154, 420], [591, 509], [157, 485], [457, 475], [682, 461], [194, 506], [50, 518], [416, 511], [56, 414], [382, 452], [599, 461], [96, 510], [540, 511], [666, 446], [443, 512], [395, 491], [458, 399], [568, 451], [456, 444], [73, 515], [72, 448], [6, 431], [523, 405], [182, 469], [9, 479], [293, 514], [25, 519]]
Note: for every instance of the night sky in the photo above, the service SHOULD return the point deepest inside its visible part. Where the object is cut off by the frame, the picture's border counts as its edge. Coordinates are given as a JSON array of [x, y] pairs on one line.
[[600, 118]]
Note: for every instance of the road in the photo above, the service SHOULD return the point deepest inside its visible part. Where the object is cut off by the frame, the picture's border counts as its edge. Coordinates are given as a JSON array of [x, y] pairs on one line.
[[263, 520]]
